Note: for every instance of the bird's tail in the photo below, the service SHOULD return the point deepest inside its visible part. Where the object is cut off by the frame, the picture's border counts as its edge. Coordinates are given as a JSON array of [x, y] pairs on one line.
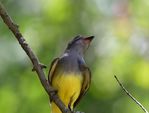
[[54, 108]]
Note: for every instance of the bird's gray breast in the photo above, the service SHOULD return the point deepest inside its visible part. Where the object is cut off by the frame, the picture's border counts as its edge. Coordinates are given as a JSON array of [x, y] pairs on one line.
[[69, 64]]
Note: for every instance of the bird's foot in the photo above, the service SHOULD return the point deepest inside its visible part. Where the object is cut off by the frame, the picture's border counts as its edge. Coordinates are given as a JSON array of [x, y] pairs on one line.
[[53, 92]]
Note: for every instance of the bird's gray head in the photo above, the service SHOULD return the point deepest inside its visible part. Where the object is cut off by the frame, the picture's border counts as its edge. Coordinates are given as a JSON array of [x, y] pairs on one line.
[[79, 44]]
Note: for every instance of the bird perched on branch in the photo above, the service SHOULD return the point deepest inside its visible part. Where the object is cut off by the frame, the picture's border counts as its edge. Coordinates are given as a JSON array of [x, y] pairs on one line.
[[69, 74]]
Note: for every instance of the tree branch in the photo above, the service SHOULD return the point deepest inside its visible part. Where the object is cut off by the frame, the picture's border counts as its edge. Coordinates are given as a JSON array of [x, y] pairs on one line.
[[36, 64], [133, 98]]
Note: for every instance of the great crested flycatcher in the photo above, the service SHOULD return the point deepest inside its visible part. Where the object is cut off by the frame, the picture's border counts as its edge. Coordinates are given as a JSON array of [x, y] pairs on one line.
[[69, 74]]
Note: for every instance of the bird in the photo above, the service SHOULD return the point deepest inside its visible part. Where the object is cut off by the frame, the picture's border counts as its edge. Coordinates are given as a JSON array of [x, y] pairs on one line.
[[69, 74]]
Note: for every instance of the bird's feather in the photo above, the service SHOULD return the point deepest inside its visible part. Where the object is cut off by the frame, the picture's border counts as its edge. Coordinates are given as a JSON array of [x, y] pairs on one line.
[[85, 84], [52, 69]]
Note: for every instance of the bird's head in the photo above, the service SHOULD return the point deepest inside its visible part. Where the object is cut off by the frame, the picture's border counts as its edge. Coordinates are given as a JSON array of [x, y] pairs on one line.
[[79, 44]]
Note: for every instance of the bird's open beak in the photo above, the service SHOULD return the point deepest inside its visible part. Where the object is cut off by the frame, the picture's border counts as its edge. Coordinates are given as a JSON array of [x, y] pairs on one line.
[[88, 39]]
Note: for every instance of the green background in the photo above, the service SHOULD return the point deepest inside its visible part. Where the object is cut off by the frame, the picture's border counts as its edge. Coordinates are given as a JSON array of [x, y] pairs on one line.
[[121, 48]]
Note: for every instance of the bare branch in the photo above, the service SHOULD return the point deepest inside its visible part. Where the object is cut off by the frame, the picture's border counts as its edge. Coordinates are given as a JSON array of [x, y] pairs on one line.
[[36, 64], [134, 99]]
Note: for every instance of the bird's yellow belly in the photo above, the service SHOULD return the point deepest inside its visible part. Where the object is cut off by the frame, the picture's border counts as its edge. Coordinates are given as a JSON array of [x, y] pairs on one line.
[[68, 87]]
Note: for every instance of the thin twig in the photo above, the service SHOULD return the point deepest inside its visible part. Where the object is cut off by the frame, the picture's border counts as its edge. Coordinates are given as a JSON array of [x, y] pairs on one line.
[[133, 98], [36, 64]]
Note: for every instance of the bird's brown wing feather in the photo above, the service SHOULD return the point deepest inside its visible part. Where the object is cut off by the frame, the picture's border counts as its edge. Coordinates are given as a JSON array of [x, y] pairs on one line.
[[52, 69], [85, 84]]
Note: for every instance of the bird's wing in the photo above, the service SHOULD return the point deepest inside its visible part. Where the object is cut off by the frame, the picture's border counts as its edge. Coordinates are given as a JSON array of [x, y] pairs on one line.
[[52, 69], [85, 84]]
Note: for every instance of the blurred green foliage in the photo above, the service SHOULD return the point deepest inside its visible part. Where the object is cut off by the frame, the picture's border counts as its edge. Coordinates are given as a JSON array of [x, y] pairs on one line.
[[121, 48]]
